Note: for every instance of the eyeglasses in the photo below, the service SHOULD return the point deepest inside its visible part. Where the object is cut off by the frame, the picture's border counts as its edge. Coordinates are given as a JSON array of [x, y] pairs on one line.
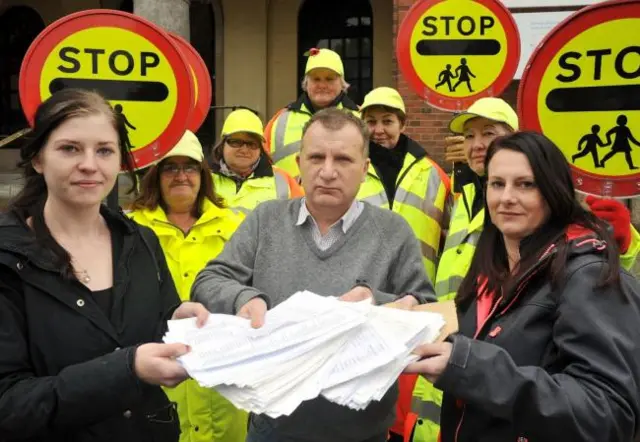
[[237, 143], [175, 169]]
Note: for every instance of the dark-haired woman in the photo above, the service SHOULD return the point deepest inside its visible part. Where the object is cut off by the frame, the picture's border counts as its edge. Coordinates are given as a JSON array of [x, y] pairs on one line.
[[548, 342], [179, 203], [242, 171], [84, 292]]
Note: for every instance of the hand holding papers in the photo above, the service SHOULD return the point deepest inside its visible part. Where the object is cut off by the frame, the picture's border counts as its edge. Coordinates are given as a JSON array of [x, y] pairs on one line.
[[349, 352]]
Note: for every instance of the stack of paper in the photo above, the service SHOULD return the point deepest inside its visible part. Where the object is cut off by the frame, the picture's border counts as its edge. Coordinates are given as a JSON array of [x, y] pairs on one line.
[[310, 345]]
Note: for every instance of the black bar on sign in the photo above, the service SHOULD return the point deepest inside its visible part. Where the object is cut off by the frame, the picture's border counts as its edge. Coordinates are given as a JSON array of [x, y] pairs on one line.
[[458, 47], [595, 98], [119, 90]]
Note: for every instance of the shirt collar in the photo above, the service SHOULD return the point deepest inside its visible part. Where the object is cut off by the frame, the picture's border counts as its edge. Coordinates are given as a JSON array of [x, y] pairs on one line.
[[346, 221]]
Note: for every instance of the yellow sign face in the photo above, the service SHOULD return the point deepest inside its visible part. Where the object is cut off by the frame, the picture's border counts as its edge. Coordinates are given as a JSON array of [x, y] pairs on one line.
[[589, 99], [126, 68], [458, 48]]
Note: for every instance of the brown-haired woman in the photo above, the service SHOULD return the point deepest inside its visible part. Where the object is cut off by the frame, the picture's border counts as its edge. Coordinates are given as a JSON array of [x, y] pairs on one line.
[[82, 289], [243, 173], [178, 202]]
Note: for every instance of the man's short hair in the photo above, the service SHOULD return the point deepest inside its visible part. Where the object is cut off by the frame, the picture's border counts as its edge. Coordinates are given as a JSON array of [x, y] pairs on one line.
[[335, 119]]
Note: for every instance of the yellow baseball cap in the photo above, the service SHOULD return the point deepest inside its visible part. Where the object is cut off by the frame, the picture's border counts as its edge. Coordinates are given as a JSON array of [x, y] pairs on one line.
[[242, 120], [383, 96], [189, 146], [491, 108], [324, 58]]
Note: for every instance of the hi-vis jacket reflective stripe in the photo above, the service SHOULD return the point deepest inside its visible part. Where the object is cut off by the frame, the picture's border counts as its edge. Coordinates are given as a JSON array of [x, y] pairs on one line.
[[629, 259], [205, 416], [284, 132], [266, 183], [459, 247], [422, 198]]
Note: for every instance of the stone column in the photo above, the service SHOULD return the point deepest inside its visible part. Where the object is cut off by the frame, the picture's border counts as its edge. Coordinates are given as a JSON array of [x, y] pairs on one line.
[[172, 15]]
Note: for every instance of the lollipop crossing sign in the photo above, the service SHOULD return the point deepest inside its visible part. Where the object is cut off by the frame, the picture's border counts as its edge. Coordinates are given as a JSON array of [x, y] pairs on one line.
[[134, 64], [581, 88], [452, 52]]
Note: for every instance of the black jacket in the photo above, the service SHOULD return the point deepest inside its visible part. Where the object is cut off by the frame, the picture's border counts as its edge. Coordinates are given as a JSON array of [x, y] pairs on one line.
[[66, 369], [548, 366]]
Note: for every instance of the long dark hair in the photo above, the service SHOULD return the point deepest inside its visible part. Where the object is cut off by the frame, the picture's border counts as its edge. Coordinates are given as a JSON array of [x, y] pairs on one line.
[[553, 178], [29, 203], [150, 197]]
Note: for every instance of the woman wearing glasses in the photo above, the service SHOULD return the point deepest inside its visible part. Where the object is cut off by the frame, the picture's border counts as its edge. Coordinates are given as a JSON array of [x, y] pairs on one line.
[[242, 171], [178, 202]]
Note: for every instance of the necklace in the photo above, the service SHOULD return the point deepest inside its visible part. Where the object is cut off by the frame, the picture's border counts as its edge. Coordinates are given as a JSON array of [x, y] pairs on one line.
[[83, 276]]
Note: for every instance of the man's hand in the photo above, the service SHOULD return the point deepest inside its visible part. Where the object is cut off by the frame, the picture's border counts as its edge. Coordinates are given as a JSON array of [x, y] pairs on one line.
[[254, 310], [407, 302], [434, 359], [357, 294], [192, 310], [454, 149]]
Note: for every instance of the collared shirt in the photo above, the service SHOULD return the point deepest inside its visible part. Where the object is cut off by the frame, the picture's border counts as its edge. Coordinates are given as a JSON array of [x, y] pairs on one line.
[[336, 231]]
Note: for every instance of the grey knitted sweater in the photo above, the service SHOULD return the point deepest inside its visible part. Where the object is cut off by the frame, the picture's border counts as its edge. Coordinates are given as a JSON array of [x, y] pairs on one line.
[[271, 257]]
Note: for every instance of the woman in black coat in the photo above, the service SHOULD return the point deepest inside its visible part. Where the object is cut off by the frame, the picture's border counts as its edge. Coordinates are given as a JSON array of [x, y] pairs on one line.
[[84, 292], [549, 322]]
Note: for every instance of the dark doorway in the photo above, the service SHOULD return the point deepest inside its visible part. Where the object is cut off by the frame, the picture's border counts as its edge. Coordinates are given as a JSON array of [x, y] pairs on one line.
[[126, 6], [345, 27], [19, 26], [203, 33]]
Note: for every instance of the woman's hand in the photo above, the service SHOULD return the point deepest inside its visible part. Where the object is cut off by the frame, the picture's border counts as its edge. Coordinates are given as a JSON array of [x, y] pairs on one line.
[[192, 310], [156, 364], [433, 360]]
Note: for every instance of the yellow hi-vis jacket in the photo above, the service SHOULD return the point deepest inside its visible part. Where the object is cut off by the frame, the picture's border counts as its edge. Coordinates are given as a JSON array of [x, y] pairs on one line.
[[266, 183], [205, 416], [629, 259], [284, 131], [422, 198]]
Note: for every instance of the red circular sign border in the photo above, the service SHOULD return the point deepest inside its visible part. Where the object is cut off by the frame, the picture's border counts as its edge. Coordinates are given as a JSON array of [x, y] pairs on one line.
[[403, 54], [205, 89], [534, 71], [39, 50]]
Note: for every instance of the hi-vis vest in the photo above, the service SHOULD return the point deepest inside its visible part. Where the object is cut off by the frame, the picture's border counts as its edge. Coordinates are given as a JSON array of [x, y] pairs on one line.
[[460, 245], [454, 264], [255, 190], [422, 198], [204, 414], [284, 133], [630, 258]]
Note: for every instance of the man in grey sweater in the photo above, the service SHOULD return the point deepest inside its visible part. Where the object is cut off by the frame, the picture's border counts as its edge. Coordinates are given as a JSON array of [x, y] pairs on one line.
[[328, 243]]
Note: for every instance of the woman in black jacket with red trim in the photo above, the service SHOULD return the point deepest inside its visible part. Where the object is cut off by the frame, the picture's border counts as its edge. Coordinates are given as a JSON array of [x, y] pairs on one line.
[[549, 323]]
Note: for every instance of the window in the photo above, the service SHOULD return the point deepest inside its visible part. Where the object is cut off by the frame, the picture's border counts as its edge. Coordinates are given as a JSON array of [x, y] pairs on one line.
[[345, 27], [20, 25]]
